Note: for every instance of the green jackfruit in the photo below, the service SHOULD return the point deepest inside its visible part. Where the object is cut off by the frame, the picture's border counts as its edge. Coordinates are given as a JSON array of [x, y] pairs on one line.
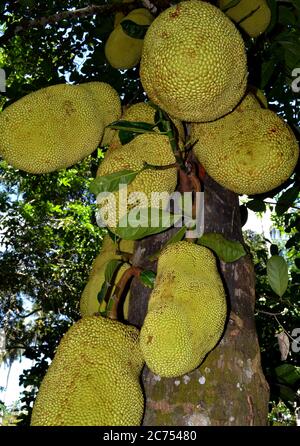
[[153, 149], [50, 129], [123, 51], [186, 311], [89, 303], [253, 16], [193, 64], [249, 151], [109, 106], [93, 379]]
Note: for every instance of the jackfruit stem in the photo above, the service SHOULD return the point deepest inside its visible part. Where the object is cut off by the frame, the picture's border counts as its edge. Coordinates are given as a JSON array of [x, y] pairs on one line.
[[131, 272]]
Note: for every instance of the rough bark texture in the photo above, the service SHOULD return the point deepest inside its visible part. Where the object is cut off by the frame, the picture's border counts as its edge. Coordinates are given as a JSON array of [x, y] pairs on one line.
[[229, 388]]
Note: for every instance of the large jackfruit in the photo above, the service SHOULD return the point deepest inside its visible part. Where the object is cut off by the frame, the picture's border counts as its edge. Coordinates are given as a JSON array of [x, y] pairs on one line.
[[50, 129], [143, 112], [253, 16], [109, 106], [123, 51], [249, 151], [93, 379], [186, 311], [89, 303], [194, 62], [153, 149]]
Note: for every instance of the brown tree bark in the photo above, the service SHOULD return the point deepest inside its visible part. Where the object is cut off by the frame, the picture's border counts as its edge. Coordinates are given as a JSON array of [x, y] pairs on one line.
[[229, 388]]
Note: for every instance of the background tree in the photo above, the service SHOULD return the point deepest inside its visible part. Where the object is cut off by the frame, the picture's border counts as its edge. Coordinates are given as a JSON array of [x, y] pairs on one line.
[[49, 236]]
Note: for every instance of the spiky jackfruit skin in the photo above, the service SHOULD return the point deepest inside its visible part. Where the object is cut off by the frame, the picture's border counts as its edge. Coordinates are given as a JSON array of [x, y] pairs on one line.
[[93, 379], [153, 149], [249, 152], [108, 104], [194, 62], [254, 24], [50, 129], [143, 112], [89, 303], [121, 50], [186, 311]]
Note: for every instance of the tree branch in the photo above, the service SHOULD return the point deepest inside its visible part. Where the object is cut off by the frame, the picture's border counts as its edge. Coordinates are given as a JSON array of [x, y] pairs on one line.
[[24, 25]]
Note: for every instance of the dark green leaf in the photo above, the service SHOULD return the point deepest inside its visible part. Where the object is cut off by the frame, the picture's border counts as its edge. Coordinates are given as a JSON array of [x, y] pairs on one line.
[[134, 30], [161, 220], [132, 126], [148, 278], [293, 241], [288, 374], [287, 200], [256, 205], [278, 276], [267, 69], [226, 250], [297, 262], [244, 214], [110, 183], [274, 250]]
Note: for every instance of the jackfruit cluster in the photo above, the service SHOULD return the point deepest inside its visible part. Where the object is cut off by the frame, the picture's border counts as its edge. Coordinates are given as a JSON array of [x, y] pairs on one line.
[[93, 379], [143, 112], [150, 148], [194, 62], [108, 104], [50, 129], [253, 16], [186, 311], [249, 151], [121, 50], [89, 304]]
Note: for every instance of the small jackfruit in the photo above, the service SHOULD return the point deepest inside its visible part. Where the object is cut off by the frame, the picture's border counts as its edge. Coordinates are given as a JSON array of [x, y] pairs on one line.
[[148, 148], [120, 15], [123, 51], [109, 106], [143, 112], [50, 129], [186, 311], [249, 152], [193, 64], [253, 16], [89, 303], [93, 379]]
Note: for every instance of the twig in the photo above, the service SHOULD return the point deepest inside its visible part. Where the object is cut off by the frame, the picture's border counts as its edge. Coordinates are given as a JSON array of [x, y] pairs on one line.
[[30, 314], [133, 271]]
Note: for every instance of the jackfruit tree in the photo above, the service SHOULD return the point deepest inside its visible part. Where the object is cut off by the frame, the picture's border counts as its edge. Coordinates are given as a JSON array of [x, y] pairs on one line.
[[146, 322]]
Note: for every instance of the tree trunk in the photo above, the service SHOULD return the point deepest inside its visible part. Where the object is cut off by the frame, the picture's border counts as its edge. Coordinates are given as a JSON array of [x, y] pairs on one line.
[[229, 388]]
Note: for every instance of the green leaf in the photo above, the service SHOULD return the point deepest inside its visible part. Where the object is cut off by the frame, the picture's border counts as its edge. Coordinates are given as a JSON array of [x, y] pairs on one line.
[[278, 276], [297, 263], [148, 278], [226, 250], [126, 137], [110, 183], [256, 205], [287, 199], [288, 374], [134, 30], [132, 126], [244, 214], [161, 221], [111, 267], [230, 5], [267, 69], [293, 241], [174, 239]]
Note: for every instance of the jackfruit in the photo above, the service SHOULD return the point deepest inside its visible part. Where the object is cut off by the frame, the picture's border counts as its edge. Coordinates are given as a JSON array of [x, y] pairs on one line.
[[50, 129], [186, 311], [89, 303], [253, 16], [193, 64], [121, 50], [249, 152], [153, 149], [120, 15], [93, 379], [143, 112], [109, 106]]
